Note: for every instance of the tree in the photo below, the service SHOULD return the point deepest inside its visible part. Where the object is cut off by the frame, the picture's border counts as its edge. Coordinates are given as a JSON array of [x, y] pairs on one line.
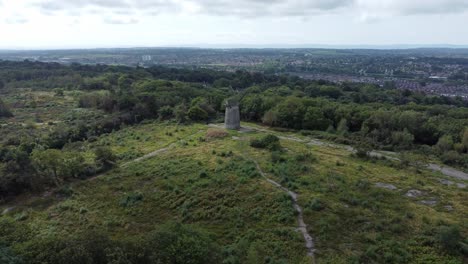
[[403, 138], [445, 144], [124, 82], [105, 159], [465, 138], [342, 128], [270, 118], [290, 113], [180, 113], [58, 165], [196, 113], [315, 120], [4, 111], [49, 163], [330, 91], [166, 112]]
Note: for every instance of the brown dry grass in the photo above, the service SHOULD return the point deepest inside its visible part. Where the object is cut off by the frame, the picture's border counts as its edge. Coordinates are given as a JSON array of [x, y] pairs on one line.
[[216, 133]]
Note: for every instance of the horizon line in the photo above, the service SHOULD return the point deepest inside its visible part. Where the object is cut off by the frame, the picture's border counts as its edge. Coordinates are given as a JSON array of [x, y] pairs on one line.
[[250, 46]]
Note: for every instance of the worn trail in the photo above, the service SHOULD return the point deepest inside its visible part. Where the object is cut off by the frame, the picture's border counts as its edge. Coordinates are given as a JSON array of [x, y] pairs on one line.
[[302, 227], [445, 170]]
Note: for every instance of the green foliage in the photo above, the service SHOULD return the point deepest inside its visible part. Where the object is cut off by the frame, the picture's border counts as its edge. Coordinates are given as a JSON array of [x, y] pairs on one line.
[[105, 158], [316, 205], [353, 220], [269, 141], [363, 152], [166, 112], [314, 119], [453, 158], [4, 111], [7, 256], [386, 252], [196, 113], [342, 128], [444, 144], [131, 199], [56, 166], [182, 244], [449, 238], [403, 139]]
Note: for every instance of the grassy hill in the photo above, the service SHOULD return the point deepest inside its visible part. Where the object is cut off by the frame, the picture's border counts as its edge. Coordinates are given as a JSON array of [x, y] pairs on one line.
[[103, 164], [357, 210]]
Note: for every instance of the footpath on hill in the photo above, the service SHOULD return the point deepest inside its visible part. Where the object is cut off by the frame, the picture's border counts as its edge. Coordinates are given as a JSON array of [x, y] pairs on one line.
[[445, 170]]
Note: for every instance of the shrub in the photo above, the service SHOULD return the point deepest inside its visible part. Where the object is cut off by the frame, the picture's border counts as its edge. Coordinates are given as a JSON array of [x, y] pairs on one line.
[[4, 111], [306, 156], [196, 113], [452, 158], [8, 257], [105, 158], [166, 112], [449, 238], [363, 152], [270, 142], [276, 157], [178, 243], [316, 205], [131, 199]]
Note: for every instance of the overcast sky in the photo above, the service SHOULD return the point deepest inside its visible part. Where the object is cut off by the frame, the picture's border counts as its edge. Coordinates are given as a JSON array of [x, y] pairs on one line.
[[138, 23]]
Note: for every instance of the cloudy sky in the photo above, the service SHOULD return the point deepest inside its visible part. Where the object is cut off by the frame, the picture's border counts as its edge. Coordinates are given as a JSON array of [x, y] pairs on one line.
[[131, 23]]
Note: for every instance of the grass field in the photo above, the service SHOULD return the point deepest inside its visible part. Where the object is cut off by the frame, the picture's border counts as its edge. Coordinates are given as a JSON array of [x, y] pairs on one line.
[[213, 184]]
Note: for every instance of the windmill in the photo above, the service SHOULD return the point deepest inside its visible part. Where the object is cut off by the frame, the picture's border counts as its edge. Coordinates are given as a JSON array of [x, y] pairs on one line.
[[232, 115]]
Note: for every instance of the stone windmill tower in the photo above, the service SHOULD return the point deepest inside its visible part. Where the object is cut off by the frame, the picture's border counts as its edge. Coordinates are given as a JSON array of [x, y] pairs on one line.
[[232, 116]]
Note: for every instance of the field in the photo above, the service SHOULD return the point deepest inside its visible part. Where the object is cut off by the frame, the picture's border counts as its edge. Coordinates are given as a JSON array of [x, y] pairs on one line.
[[213, 184]]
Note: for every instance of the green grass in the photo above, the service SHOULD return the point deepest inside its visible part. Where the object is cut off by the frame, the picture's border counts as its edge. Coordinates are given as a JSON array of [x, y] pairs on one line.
[[214, 185]]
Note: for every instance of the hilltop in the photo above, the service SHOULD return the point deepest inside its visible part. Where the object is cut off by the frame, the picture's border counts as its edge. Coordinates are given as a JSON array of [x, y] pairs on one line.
[[112, 164]]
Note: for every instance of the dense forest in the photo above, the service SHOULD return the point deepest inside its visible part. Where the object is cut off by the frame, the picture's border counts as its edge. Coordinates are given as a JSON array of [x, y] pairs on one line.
[[37, 156]]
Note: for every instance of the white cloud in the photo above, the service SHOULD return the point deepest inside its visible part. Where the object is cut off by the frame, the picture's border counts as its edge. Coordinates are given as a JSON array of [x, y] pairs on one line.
[[411, 7], [366, 10], [163, 22]]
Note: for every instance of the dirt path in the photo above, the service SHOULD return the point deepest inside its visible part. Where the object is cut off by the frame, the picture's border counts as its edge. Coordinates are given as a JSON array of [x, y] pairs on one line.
[[302, 227], [445, 170], [156, 152], [149, 155]]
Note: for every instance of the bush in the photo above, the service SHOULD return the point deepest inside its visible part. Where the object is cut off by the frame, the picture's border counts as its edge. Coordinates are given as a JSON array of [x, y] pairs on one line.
[[166, 112], [105, 158], [178, 243], [270, 142], [8, 257], [449, 238], [316, 205], [196, 113], [276, 157], [362, 152], [4, 111], [452, 158], [131, 199]]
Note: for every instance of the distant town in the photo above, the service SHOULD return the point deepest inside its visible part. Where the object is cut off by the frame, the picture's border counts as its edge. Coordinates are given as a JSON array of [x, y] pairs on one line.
[[432, 71]]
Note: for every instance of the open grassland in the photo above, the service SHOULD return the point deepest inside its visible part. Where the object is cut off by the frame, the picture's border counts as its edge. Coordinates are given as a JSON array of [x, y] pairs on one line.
[[212, 183]]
